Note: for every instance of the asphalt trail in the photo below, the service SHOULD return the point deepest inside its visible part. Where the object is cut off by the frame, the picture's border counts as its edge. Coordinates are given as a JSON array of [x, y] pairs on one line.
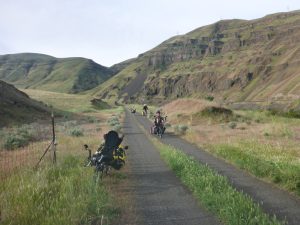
[[160, 198], [273, 200]]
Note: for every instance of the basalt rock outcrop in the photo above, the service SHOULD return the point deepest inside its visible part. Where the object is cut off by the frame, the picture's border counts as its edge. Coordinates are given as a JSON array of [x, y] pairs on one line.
[[232, 60]]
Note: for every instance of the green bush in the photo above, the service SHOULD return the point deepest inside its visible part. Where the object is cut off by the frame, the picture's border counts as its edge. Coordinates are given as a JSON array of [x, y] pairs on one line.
[[76, 132], [14, 141], [18, 138], [232, 125], [217, 114], [180, 129], [209, 98], [91, 119], [289, 114], [113, 121]]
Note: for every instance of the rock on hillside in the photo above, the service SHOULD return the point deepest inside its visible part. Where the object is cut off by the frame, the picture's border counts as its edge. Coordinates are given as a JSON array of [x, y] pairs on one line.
[[38, 71], [232, 60], [16, 107]]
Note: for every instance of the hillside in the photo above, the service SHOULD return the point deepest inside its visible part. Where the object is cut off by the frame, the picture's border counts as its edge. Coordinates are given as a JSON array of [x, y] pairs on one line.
[[38, 71], [16, 107], [232, 60]]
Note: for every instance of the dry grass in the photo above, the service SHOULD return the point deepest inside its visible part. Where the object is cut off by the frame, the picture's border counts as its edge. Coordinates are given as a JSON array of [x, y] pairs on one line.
[[27, 157], [207, 130], [258, 137], [186, 106]]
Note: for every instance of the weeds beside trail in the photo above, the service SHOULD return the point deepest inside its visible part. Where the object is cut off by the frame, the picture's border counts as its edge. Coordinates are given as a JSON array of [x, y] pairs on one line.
[[63, 194], [278, 164], [214, 191]]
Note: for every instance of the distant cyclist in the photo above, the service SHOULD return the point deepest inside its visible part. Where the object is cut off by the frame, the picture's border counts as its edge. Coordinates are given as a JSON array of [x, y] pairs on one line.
[[158, 123], [145, 110]]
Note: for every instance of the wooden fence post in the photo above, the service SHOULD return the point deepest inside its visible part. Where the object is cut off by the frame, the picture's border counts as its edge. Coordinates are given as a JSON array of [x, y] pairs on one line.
[[53, 139]]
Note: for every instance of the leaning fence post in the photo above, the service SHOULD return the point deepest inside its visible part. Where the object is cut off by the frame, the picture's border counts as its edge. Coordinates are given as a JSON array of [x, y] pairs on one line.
[[53, 139]]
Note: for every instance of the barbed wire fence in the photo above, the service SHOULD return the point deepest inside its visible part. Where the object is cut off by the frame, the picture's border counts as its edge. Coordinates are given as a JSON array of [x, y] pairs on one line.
[[28, 157]]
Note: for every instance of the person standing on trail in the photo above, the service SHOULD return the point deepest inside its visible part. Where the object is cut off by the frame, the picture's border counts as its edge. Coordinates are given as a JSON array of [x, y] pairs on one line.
[[145, 110]]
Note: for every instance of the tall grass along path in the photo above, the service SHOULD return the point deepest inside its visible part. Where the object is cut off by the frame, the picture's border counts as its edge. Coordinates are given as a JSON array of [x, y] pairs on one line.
[[273, 200], [159, 196]]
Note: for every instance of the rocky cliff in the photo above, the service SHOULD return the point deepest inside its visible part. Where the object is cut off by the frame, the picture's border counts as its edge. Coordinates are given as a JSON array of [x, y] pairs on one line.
[[232, 60]]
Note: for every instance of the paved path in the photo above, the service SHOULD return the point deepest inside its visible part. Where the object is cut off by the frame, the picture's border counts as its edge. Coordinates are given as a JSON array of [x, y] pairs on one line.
[[273, 200], [160, 198]]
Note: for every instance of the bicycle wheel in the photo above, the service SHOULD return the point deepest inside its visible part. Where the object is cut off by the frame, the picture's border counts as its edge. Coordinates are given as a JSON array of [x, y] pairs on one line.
[[159, 132]]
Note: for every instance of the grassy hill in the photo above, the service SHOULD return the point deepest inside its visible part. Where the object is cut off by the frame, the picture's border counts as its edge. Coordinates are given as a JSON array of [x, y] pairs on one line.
[[16, 107], [232, 60], [73, 103], [38, 71]]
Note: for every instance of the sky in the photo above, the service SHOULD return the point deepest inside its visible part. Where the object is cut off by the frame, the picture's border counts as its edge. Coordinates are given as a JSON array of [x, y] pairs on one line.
[[111, 31]]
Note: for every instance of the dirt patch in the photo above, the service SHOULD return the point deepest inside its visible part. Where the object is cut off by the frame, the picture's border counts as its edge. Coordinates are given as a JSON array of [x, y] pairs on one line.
[[186, 106]]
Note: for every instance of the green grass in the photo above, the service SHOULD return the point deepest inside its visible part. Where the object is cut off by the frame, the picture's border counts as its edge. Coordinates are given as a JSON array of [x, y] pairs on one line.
[[267, 116], [62, 194], [66, 102], [37, 71], [214, 191], [278, 164]]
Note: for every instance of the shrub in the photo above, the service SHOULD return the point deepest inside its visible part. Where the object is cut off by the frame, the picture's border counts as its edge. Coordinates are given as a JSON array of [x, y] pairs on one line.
[[19, 137], [232, 125], [117, 127], [180, 129], [257, 120], [91, 119], [293, 114], [14, 141], [113, 121], [76, 132], [209, 98], [289, 114], [216, 113]]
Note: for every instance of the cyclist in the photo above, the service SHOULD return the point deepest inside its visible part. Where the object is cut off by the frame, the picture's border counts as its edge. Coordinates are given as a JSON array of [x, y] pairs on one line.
[[158, 122], [145, 110]]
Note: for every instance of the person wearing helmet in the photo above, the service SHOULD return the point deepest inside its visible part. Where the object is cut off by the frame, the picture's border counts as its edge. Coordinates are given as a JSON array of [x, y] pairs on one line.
[[145, 110], [158, 122]]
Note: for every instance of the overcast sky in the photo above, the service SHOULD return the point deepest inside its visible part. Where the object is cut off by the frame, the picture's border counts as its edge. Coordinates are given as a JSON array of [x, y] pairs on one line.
[[110, 31]]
